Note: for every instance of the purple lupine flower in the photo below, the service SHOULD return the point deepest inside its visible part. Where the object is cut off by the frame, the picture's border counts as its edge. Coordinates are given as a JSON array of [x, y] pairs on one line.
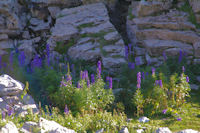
[[83, 75], [157, 82], [107, 79], [47, 50], [69, 79], [138, 86], [187, 79], [153, 71], [99, 69], [132, 66], [21, 58], [179, 119], [130, 47], [129, 64], [78, 85], [137, 61], [180, 56], [126, 52], [160, 83], [3, 115], [183, 69], [184, 53], [86, 74], [37, 62], [88, 83], [139, 77], [164, 55], [148, 62], [147, 74], [110, 83], [66, 110], [10, 110], [164, 111], [92, 78], [143, 75]]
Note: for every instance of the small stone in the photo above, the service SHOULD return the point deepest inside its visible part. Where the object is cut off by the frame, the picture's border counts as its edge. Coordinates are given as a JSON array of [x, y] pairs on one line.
[[28, 127], [163, 130], [124, 130], [100, 131], [112, 36], [144, 119], [188, 131], [54, 11], [9, 128], [139, 130]]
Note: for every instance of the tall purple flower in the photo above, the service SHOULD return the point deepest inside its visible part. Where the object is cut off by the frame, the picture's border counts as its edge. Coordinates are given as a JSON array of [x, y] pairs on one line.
[[92, 78], [143, 75], [137, 61], [179, 119], [153, 71], [0, 62], [107, 79], [157, 82], [99, 69], [126, 52], [78, 85], [180, 56], [110, 83], [132, 66], [183, 69], [160, 83], [86, 74], [3, 115], [130, 47], [66, 110], [187, 79], [10, 110], [164, 111], [69, 79], [21, 58], [164, 56], [138, 80], [47, 50], [37, 62], [88, 83]]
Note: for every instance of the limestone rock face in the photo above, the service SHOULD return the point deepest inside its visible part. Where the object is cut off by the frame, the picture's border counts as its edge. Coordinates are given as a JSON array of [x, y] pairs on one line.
[[53, 127], [169, 33], [94, 37], [147, 8], [188, 131], [163, 130], [9, 128], [9, 86], [195, 4]]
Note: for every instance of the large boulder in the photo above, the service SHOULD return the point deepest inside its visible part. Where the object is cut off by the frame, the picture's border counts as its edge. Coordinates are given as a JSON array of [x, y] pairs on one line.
[[9, 86], [53, 127], [163, 130], [188, 131], [90, 34], [195, 4], [9, 128]]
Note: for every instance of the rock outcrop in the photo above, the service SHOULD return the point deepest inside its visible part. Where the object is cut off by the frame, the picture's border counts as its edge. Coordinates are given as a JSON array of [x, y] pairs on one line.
[[168, 32], [10, 100], [92, 35]]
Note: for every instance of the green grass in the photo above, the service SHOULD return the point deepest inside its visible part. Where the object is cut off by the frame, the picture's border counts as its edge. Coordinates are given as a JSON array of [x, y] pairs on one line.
[[62, 47], [86, 25]]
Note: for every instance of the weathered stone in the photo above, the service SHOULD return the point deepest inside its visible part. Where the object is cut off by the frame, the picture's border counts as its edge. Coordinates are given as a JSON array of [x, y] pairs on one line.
[[139, 51], [60, 3], [40, 25], [109, 62], [182, 36], [147, 8], [198, 18], [100, 131], [197, 49], [188, 131], [112, 36], [54, 11], [3, 37], [52, 127], [28, 127], [163, 130], [124, 130], [9, 86], [144, 119], [139, 130], [156, 47], [195, 4], [196, 61], [198, 79], [22, 110], [139, 60], [6, 44], [39, 12], [151, 60], [9, 128], [26, 35]]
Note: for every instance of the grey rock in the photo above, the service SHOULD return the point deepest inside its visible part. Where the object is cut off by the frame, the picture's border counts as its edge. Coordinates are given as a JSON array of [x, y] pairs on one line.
[[124, 130], [3, 37], [144, 119], [28, 127], [26, 35], [197, 49], [9, 128], [198, 78], [109, 62], [163, 130], [147, 8], [196, 61], [188, 131], [6, 44], [9, 86], [112, 36], [52, 127], [139, 130], [139, 51], [195, 4], [40, 25], [100, 131], [54, 10]]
